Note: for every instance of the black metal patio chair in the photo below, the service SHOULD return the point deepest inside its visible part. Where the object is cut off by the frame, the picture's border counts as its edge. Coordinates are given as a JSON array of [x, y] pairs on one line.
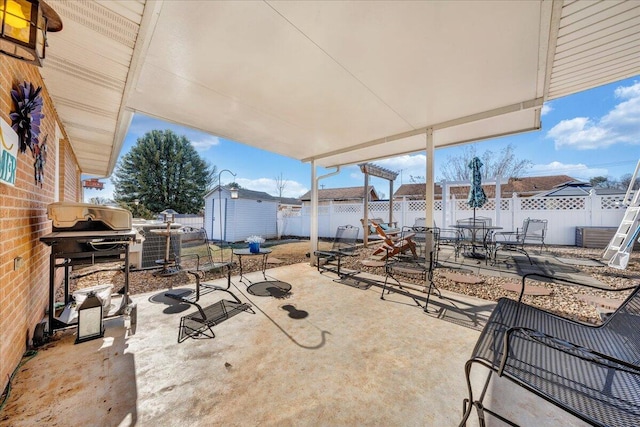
[[418, 265], [532, 230], [592, 372]]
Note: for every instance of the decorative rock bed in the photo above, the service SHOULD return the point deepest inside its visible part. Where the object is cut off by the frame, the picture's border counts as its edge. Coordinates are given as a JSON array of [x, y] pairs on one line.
[[562, 300]]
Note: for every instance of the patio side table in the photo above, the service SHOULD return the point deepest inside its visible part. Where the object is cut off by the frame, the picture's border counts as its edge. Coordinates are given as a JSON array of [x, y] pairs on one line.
[[264, 253]]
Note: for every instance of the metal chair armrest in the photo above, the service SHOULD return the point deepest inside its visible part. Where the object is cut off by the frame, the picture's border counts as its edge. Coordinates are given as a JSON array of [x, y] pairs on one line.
[[505, 237], [567, 347]]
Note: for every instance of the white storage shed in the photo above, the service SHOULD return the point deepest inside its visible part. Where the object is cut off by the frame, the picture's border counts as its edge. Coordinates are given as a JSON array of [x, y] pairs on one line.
[[252, 213]]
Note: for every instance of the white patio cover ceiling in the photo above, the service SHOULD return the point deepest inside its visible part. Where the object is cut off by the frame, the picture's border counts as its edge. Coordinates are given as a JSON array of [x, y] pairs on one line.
[[334, 82]]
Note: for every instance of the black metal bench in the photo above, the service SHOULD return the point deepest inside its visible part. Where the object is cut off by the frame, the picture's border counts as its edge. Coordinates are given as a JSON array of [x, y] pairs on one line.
[[592, 372], [198, 256], [344, 244], [199, 323]]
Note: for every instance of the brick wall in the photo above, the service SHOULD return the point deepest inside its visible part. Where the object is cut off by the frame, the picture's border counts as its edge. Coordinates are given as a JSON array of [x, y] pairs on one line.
[[23, 220], [70, 181]]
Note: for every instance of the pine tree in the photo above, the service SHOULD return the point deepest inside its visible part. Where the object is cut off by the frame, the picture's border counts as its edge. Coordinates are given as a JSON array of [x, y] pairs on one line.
[[163, 171]]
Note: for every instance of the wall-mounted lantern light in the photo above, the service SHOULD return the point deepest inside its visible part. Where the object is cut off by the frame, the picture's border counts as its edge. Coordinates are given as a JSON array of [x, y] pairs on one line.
[[23, 29]]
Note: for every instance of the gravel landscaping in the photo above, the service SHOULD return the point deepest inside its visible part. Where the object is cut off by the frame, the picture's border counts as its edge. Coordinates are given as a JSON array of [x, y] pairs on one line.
[[565, 300]]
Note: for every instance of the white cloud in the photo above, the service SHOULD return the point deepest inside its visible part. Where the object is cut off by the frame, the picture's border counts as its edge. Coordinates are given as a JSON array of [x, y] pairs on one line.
[[268, 185], [406, 166], [404, 162], [580, 133], [205, 142], [356, 175], [200, 141], [621, 125], [546, 108], [628, 91], [579, 171]]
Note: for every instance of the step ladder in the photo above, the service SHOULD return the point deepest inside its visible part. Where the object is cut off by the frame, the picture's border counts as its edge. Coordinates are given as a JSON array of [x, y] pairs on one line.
[[617, 254]]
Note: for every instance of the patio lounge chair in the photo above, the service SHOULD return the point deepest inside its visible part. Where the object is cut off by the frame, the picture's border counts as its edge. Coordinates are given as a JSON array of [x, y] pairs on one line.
[[344, 244], [592, 372], [419, 265]]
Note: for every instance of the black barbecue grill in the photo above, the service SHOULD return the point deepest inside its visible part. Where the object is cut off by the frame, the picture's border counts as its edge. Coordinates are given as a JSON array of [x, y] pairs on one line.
[[86, 234]]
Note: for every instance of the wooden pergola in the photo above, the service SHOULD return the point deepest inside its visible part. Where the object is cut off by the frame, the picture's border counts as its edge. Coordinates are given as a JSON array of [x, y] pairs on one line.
[[379, 172]]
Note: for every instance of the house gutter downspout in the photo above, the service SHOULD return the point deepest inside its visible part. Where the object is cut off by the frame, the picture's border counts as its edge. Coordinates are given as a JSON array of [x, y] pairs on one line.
[[313, 231]]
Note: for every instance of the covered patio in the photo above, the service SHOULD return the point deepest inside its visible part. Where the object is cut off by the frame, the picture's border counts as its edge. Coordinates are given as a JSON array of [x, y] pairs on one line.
[[332, 84], [328, 354]]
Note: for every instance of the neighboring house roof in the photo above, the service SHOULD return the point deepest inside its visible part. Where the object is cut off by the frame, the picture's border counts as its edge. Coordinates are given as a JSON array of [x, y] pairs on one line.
[[244, 193], [532, 185], [346, 193], [289, 201], [579, 188], [527, 186], [409, 190]]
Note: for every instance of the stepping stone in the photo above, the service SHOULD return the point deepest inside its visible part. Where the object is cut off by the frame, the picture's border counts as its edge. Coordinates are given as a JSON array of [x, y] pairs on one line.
[[609, 303], [460, 278], [373, 263], [274, 261], [528, 289]]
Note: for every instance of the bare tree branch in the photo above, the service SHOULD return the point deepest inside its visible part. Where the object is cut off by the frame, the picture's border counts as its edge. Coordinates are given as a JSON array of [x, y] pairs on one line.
[[505, 164], [281, 183]]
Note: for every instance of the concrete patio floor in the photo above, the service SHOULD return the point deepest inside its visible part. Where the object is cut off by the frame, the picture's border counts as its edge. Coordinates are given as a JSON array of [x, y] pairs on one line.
[[327, 355]]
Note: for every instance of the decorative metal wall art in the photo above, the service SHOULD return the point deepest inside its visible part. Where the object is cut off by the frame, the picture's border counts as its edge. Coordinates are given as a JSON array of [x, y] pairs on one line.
[[40, 156], [25, 120], [26, 117]]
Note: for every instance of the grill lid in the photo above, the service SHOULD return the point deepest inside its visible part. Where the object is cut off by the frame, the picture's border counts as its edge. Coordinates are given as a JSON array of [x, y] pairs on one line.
[[70, 216]]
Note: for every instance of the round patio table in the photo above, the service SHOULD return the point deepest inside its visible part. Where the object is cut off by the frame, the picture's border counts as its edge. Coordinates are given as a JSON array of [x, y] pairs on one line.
[[241, 253], [474, 228]]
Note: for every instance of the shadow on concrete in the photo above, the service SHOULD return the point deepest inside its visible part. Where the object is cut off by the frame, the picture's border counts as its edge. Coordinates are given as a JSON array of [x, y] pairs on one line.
[[317, 346], [173, 306]]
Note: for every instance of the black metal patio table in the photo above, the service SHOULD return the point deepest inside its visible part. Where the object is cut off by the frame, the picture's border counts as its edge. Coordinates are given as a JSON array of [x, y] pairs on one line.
[[474, 228], [240, 253]]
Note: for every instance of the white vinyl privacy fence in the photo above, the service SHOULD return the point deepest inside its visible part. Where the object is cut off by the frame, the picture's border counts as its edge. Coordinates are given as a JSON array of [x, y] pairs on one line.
[[563, 214]]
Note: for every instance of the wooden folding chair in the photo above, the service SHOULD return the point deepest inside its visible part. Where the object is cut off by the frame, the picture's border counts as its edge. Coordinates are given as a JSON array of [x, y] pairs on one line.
[[392, 246]]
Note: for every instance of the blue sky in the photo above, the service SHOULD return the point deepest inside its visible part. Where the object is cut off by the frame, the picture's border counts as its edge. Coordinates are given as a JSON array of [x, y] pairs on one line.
[[593, 133]]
